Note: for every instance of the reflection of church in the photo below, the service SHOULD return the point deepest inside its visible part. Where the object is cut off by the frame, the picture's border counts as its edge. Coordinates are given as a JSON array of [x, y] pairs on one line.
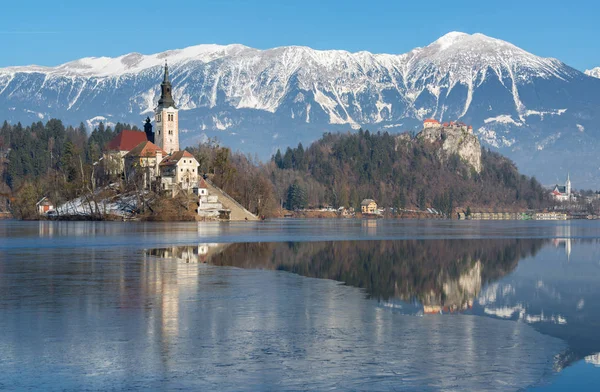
[[187, 254]]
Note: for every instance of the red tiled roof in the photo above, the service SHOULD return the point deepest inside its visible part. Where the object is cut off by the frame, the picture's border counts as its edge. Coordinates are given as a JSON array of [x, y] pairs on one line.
[[146, 149], [431, 120], [202, 184], [175, 157], [126, 140]]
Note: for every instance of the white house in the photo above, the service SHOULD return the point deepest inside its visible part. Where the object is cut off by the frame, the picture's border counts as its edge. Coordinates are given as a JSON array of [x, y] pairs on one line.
[[179, 171]]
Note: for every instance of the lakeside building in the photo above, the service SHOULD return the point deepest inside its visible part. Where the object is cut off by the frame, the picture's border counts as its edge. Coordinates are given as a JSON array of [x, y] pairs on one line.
[[154, 155], [44, 206], [144, 160], [550, 216], [368, 206], [156, 161], [179, 170], [563, 192], [118, 147]]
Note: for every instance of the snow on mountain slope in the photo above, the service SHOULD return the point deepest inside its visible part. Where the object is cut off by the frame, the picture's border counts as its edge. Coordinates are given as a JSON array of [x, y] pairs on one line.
[[595, 72], [245, 96], [348, 87]]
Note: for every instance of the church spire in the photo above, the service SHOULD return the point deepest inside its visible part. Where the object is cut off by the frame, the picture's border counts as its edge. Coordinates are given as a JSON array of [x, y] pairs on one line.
[[166, 99], [166, 78]]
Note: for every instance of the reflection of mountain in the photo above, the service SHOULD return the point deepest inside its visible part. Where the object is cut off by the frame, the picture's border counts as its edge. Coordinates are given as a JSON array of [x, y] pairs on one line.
[[440, 274], [557, 293]]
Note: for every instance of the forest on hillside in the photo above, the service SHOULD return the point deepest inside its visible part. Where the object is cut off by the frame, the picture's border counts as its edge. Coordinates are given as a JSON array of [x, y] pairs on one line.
[[343, 169], [63, 162]]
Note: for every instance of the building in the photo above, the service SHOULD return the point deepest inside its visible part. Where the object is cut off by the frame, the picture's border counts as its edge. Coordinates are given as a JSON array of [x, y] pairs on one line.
[[550, 216], [431, 123], [368, 206], [208, 205], [44, 206], [144, 160], [179, 171], [118, 147], [167, 118], [563, 192]]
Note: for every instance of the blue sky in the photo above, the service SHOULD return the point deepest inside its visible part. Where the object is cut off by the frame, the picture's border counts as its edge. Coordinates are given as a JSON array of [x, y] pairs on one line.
[[53, 32]]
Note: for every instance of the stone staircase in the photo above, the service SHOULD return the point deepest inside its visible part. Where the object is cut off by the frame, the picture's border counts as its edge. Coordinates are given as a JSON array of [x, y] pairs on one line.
[[238, 212]]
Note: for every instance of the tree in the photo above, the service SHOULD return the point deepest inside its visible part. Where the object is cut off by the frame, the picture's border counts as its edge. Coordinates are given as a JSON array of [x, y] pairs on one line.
[[296, 197]]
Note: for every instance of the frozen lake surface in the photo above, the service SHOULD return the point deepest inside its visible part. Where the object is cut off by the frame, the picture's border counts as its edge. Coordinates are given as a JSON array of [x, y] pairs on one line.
[[295, 305]]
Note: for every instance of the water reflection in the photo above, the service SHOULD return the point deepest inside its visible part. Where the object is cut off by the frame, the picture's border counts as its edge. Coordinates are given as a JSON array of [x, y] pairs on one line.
[[548, 290], [87, 312], [442, 275]]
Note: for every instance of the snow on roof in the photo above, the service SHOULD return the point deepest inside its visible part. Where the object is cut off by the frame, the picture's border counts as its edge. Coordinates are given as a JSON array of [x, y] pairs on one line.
[[126, 140]]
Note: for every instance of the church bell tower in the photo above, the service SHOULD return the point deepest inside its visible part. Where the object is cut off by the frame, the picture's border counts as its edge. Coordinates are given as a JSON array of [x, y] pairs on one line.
[[167, 117]]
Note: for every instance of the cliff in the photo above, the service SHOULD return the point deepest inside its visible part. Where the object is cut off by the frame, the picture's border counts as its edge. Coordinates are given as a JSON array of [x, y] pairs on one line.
[[455, 139]]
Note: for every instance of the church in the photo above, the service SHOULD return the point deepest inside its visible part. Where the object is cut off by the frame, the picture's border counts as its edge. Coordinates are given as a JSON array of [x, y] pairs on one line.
[[154, 157], [563, 192]]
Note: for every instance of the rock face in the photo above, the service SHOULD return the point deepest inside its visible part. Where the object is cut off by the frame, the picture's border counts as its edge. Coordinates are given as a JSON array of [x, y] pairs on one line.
[[455, 139]]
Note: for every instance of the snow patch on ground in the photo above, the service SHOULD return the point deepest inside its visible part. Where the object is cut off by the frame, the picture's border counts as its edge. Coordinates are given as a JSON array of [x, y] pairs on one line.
[[123, 206], [222, 124], [39, 115], [502, 119], [556, 112], [547, 141], [491, 137]]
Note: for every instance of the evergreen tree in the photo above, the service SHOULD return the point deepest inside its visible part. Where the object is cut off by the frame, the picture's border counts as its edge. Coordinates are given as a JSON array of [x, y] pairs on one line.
[[296, 197]]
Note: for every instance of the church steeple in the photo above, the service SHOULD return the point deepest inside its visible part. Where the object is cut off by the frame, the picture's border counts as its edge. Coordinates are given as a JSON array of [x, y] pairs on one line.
[[166, 99], [166, 117]]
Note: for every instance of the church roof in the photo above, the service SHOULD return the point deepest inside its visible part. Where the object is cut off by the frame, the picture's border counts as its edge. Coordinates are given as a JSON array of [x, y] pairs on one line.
[[174, 158], [560, 188], [146, 150], [166, 98], [126, 140]]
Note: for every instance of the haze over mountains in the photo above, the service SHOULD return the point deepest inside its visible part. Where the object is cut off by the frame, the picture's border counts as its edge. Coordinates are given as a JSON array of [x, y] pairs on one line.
[[538, 111]]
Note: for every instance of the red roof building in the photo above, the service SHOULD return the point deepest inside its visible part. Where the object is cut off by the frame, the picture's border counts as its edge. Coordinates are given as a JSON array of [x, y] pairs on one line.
[[174, 158], [126, 140]]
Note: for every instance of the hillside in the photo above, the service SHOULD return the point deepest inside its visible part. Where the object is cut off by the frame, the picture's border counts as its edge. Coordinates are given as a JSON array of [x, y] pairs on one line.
[[446, 171], [538, 111]]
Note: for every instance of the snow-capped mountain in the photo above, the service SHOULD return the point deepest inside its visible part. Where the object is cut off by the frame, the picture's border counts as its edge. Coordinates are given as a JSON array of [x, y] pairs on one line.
[[530, 107], [595, 72]]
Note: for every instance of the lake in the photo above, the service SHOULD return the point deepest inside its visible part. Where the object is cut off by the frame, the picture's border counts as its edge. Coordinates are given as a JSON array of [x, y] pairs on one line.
[[292, 305]]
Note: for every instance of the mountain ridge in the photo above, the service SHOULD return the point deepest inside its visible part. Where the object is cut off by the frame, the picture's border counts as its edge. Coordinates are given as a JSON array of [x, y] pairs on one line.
[[258, 100]]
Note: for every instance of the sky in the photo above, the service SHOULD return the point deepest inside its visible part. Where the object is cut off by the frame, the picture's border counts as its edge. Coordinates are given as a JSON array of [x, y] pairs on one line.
[[49, 33]]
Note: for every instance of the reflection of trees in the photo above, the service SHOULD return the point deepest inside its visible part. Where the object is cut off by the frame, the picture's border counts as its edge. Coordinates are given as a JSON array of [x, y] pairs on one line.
[[435, 272]]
